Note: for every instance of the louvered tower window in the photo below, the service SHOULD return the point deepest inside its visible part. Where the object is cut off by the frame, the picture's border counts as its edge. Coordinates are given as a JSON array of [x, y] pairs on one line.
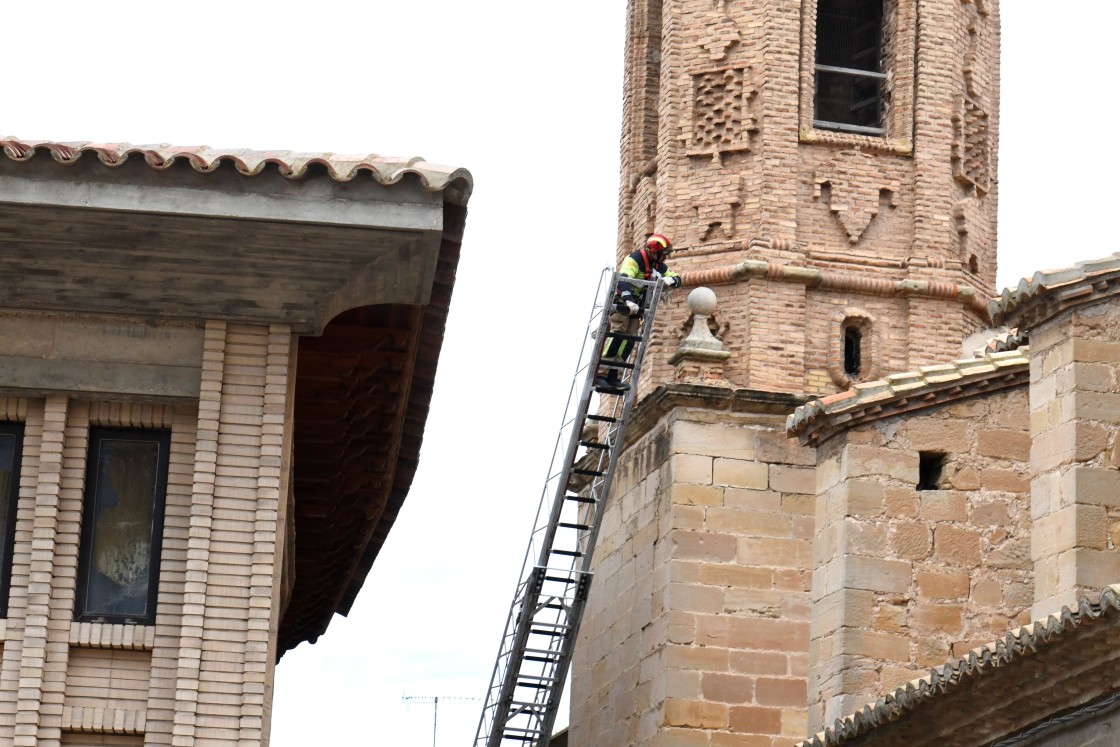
[[849, 75]]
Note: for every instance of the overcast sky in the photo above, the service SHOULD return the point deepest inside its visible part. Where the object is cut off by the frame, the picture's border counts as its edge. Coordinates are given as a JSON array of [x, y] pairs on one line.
[[526, 96]]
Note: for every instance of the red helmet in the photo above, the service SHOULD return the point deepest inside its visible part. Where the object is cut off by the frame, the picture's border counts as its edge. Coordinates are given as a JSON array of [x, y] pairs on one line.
[[659, 244]]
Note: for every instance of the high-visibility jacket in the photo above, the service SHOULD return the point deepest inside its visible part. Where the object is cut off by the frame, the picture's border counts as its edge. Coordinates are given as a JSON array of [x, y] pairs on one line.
[[641, 266]]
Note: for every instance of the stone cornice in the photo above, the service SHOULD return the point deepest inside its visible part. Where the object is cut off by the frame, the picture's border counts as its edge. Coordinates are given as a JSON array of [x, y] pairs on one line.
[[668, 397]]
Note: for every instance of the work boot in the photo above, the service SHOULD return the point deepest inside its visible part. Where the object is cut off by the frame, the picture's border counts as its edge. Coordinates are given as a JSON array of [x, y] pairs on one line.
[[610, 383]]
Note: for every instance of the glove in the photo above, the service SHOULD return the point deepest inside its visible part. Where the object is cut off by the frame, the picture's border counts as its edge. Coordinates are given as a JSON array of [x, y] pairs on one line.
[[632, 308], [672, 282]]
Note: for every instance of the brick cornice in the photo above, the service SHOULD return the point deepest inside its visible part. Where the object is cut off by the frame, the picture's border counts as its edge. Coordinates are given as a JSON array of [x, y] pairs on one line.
[[830, 280]]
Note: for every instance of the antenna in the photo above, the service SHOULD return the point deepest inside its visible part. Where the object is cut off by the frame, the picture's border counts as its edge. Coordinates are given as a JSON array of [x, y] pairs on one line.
[[434, 700]]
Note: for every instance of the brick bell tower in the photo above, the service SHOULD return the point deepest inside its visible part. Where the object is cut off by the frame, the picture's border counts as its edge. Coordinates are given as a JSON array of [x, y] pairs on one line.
[[828, 168]]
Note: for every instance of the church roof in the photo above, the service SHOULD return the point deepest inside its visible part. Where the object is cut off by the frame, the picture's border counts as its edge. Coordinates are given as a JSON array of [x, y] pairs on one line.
[[929, 386], [1049, 292], [1057, 663]]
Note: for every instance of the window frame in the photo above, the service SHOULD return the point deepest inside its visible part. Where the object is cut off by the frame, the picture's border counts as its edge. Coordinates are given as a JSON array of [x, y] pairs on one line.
[[15, 429], [97, 435], [897, 68]]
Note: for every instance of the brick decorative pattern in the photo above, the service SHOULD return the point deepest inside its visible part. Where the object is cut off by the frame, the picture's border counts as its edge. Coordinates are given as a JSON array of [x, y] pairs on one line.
[[719, 152]]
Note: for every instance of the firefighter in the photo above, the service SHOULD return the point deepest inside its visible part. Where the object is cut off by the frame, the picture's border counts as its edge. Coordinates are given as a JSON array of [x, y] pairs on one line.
[[646, 263]]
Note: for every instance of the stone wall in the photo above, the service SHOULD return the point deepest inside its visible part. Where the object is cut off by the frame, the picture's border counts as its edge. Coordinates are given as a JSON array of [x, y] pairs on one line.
[[698, 622], [907, 578], [1075, 455]]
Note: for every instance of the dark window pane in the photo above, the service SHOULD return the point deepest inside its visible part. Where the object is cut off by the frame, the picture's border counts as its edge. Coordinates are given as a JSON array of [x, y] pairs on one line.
[[11, 436], [853, 351], [849, 33], [849, 99], [121, 524], [849, 36]]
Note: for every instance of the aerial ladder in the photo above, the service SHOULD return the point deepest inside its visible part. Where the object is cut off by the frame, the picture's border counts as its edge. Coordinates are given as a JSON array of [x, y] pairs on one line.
[[540, 634]]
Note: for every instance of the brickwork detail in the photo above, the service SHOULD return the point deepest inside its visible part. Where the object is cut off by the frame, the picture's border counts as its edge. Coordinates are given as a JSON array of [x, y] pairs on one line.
[[722, 117], [189, 666], [871, 353], [854, 192], [13, 722], [33, 672], [715, 213], [971, 135]]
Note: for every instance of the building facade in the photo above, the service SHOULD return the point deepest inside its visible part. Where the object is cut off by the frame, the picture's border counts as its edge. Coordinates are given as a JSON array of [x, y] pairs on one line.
[[215, 368], [828, 168]]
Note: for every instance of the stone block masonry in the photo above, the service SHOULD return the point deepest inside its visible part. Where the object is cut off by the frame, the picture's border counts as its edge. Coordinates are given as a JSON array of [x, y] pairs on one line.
[[907, 577], [1075, 470], [698, 621]]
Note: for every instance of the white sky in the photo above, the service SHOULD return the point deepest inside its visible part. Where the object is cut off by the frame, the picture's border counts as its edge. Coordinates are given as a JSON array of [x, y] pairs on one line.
[[526, 96]]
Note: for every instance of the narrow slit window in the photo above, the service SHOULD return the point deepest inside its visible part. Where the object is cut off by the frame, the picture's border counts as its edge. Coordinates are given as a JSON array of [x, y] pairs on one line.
[[930, 467], [849, 66], [11, 443], [122, 525], [853, 351]]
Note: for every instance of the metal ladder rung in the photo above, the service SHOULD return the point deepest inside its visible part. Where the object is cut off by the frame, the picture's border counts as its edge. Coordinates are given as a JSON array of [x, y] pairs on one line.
[[551, 596], [580, 499], [604, 363]]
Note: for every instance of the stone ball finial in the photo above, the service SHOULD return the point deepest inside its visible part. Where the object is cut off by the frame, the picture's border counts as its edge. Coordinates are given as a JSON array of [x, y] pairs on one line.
[[702, 301]]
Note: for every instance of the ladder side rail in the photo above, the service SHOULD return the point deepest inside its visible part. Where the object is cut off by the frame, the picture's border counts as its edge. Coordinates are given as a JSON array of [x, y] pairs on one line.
[[512, 632], [522, 626], [562, 666], [570, 425], [576, 433], [505, 650], [653, 299]]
